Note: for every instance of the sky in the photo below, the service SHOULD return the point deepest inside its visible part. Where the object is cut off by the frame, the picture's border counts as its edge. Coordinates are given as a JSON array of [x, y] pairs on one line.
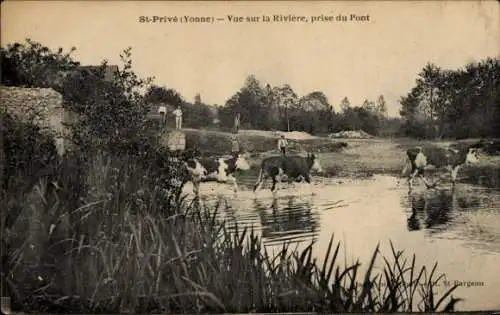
[[378, 55]]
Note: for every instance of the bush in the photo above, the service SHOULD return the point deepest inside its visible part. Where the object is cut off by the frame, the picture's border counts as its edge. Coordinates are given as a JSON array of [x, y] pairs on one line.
[[27, 151]]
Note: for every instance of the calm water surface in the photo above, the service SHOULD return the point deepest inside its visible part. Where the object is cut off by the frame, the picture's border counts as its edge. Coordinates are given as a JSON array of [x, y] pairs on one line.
[[460, 230]]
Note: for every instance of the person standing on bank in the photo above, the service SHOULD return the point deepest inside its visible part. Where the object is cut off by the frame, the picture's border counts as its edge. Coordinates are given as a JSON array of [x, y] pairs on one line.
[[282, 144], [178, 117], [162, 110]]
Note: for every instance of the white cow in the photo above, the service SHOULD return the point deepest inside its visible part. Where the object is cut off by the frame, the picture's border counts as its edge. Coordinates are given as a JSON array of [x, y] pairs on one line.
[[419, 158]]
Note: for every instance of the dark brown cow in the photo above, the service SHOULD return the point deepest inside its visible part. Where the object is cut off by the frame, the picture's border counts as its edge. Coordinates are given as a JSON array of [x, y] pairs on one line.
[[291, 166], [419, 158]]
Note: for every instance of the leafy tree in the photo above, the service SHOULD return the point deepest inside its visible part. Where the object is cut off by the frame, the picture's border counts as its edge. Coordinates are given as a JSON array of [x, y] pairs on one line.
[[315, 101], [454, 103], [197, 115], [197, 99], [30, 64], [314, 113], [160, 94], [345, 104], [286, 101], [478, 98], [381, 106], [249, 101], [369, 120], [350, 119], [270, 101], [369, 105], [111, 114]]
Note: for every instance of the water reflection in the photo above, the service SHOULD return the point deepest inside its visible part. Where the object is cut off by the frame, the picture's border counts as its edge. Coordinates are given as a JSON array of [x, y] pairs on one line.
[[472, 202], [470, 214], [413, 222], [436, 210], [431, 210], [289, 218], [458, 229]]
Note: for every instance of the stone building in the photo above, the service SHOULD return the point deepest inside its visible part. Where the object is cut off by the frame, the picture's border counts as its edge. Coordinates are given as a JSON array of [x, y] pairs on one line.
[[44, 106], [40, 106]]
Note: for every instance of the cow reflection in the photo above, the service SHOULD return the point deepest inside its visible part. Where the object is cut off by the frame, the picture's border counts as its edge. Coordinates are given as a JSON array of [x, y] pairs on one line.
[[434, 211], [413, 222], [290, 218]]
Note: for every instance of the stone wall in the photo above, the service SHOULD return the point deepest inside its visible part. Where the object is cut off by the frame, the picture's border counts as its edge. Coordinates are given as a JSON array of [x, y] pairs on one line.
[[174, 140], [40, 106]]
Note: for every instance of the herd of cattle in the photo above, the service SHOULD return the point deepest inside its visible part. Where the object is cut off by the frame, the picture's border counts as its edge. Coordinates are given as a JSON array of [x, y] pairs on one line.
[[222, 170], [298, 168]]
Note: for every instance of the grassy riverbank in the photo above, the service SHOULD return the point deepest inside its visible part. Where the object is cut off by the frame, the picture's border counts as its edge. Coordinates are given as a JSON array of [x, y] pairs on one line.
[[254, 142], [387, 156], [341, 157], [110, 238]]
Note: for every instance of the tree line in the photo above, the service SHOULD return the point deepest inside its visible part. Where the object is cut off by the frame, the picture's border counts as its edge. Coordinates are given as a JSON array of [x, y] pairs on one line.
[[443, 103], [459, 103], [265, 107]]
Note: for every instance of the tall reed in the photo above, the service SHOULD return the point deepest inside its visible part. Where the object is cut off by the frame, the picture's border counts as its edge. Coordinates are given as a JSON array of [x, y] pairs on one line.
[[109, 233]]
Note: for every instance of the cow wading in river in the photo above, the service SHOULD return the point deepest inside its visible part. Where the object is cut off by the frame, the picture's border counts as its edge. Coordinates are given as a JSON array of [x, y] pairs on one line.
[[216, 169], [292, 166], [419, 158]]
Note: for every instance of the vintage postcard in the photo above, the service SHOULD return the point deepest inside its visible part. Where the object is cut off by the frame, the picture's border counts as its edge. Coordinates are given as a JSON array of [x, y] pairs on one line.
[[250, 157]]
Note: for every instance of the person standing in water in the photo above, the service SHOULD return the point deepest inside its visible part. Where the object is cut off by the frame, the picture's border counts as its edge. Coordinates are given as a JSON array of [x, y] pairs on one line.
[[282, 144]]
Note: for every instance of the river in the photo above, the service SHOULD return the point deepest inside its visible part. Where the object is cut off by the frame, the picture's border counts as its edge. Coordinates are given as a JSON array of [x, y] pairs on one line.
[[460, 230]]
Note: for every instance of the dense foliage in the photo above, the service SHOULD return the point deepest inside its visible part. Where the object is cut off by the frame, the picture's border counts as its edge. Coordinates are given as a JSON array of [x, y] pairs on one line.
[[27, 153], [280, 108], [460, 103], [31, 64]]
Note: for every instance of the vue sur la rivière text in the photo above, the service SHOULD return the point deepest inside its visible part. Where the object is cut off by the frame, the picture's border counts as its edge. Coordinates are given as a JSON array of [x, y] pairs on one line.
[[277, 18]]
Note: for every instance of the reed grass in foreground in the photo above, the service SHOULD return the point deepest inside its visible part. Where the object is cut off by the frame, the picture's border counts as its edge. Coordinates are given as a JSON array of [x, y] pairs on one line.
[[110, 239]]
